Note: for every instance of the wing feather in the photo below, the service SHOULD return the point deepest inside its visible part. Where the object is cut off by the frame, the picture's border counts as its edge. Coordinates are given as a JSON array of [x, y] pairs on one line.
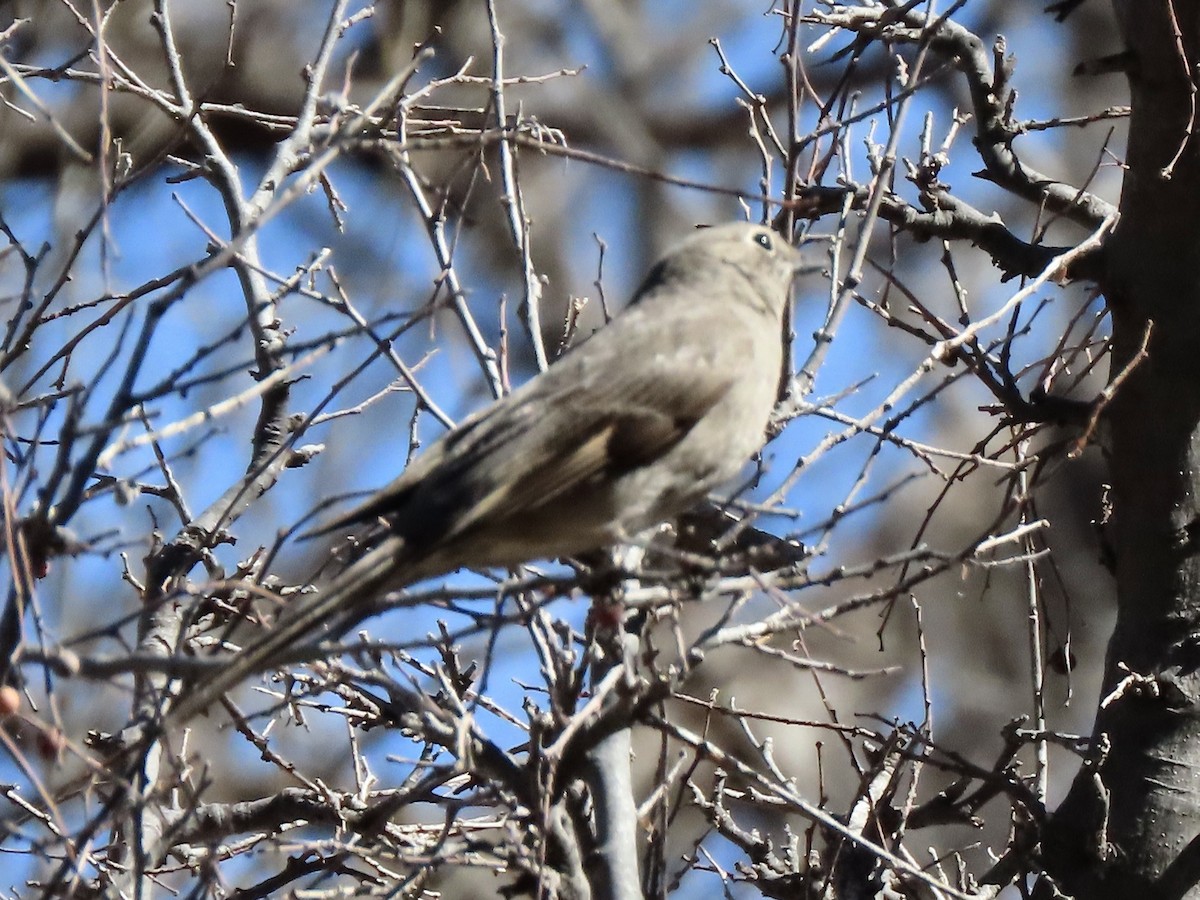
[[590, 417]]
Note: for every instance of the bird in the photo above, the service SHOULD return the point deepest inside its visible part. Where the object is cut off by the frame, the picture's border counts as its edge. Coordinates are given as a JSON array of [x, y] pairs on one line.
[[630, 427]]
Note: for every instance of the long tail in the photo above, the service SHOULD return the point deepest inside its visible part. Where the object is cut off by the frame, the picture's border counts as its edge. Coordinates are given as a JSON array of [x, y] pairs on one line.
[[353, 587]]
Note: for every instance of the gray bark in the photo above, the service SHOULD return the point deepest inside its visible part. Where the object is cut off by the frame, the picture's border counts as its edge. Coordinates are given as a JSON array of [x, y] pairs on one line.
[[1132, 831]]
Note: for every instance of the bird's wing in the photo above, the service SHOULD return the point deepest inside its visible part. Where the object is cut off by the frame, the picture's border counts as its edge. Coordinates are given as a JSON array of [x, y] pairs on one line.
[[585, 444], [548, 441]]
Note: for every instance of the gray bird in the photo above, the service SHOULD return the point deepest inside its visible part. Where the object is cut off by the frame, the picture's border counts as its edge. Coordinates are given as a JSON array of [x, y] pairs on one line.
[[629, 428]]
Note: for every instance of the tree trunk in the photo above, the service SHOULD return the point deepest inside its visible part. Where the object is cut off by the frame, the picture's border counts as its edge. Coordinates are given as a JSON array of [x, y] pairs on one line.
[[1132, 831]]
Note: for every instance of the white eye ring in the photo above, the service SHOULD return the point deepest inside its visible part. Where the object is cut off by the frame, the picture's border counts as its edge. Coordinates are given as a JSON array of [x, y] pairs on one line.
[[764, 241]]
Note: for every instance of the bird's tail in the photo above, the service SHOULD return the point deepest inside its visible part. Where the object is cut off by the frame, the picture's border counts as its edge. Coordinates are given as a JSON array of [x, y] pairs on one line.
[[354, 587]]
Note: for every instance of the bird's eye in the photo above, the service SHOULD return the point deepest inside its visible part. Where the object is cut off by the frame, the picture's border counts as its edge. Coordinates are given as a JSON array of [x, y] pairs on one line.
[[764, 241]]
